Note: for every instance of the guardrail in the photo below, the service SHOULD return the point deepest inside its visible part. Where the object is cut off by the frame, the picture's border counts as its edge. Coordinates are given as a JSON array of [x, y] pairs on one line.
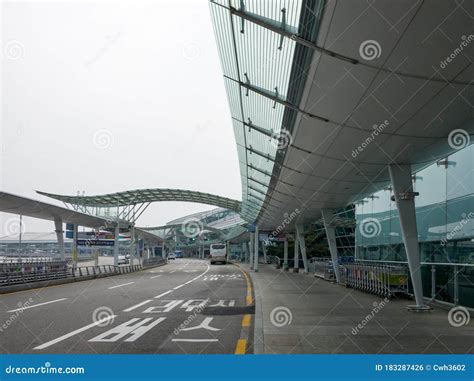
[[28, 259], [154, 261], [13, 278]]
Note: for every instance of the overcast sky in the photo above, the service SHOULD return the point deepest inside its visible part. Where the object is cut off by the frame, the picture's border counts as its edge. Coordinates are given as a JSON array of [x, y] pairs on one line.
[[104, 97]]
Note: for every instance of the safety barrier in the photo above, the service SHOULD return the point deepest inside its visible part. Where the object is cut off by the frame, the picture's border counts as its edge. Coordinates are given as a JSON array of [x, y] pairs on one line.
[[274, 260], [13, 278], [322, 269], [379, 279], [154, 261]]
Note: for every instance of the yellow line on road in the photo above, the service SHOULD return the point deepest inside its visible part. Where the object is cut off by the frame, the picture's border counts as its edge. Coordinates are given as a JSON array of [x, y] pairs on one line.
[[246, 321], [241, 347], [249, 298]]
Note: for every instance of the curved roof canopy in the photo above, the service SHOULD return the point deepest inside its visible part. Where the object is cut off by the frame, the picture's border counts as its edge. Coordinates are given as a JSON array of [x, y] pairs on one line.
[[141, 196], [303, 71]]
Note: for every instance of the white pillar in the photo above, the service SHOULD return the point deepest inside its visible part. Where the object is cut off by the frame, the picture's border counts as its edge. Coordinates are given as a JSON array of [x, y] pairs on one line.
[[302, 243], [297, 253], [58, 226], [255, 256], [285, 255], [116, 244], [328, 216], [400, 176], [74, 245], [163, 254], [251, 243]]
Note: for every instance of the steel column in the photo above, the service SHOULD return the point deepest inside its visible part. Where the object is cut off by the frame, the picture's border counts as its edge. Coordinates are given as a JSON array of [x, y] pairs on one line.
[[302, 244], [328, 216], [255, 266], [401, 178], [58, 225], [285, 255], [116, 244], [297, 253]]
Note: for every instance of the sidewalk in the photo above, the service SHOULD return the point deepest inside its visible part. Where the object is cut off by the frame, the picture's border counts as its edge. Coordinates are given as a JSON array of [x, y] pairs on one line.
[[298, 313]]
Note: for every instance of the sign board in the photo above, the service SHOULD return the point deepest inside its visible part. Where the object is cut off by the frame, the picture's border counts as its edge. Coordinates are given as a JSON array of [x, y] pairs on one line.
[[278, 238], [95, 242], [69, 226]]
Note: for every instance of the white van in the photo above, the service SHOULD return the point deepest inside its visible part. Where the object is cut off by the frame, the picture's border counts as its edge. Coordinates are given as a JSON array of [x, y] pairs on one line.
[[218, 253]]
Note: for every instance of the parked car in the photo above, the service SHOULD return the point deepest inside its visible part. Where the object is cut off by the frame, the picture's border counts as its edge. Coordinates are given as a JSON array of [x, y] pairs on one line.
[[122, 260], [171, 256]]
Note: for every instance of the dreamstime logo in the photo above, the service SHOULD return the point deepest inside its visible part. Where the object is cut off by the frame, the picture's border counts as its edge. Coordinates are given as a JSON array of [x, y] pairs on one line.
[[281, 316], [466, 40], [370, 227], [287, 218], [14, 226], [104, 315], [21, 307], [109, 41], [103, 139], [377, 308], [458, 316], [458, 139], [370, 50], [282, 140], [191, 318], [191, 50], [14, 50], [192, 228], [458, 228], [377, 129]]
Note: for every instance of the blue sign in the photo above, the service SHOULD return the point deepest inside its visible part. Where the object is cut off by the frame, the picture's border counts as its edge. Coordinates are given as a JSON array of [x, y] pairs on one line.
[[95, 242], [235, 367]]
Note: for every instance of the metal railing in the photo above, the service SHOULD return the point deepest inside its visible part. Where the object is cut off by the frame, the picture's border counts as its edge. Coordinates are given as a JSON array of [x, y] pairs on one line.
[[154, 261], [12, 278], [379, 279], [449, 291]]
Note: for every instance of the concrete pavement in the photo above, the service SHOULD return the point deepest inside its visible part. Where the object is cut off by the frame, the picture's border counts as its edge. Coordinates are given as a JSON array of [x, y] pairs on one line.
[[298, 313]]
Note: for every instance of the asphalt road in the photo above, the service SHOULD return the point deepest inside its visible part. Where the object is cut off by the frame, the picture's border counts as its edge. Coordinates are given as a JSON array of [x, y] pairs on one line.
[[184, 307]]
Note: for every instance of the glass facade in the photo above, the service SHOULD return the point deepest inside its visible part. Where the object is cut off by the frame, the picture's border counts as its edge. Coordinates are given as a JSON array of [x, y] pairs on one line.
[[445, 222]]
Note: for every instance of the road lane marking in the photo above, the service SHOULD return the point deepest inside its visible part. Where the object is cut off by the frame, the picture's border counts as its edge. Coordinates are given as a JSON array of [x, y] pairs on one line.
[[73, 333], [121, 285], [137, 305], [249, 297], [246, 321], [156, 276], [184, 284], [134, 329], [241, 347], [197, 340], [37, 305], [163, 294]]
